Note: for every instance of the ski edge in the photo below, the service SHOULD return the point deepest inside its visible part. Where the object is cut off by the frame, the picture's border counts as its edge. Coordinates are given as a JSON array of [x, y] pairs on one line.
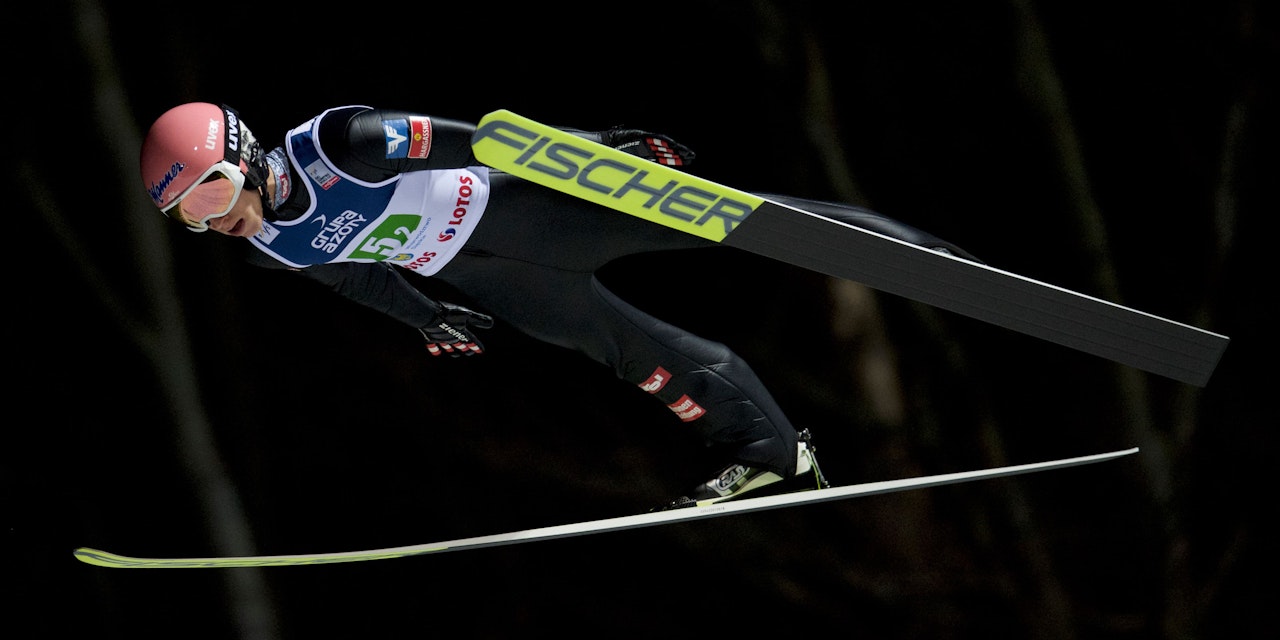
[[107, 559]]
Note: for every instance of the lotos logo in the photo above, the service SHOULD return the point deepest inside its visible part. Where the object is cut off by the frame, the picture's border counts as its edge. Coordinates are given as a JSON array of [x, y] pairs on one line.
[[460, 212], [421, 260]]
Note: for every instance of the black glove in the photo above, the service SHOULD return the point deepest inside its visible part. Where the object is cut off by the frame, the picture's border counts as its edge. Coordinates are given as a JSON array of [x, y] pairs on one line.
[[450, 331], [650, 146]]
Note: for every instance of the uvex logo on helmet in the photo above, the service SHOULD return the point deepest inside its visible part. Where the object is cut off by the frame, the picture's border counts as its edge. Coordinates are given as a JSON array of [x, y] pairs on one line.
[[211, 138], [233, 130]]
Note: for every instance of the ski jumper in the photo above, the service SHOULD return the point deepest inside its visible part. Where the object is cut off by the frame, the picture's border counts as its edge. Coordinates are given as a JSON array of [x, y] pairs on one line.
[[366, 195]]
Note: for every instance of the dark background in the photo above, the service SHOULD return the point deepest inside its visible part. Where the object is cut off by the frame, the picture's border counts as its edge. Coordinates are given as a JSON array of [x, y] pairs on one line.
[[167, 400]]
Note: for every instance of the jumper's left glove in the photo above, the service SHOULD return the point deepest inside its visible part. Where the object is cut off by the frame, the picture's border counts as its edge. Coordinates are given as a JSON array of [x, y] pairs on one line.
[[650, 146], [450, 331]]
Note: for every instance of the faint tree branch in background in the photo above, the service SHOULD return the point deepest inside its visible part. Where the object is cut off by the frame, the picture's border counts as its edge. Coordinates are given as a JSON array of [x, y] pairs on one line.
[[856, 317], [1051, 615], [1045, 92], [857, 320], [1226, 213], [163, 338], [822, 129]]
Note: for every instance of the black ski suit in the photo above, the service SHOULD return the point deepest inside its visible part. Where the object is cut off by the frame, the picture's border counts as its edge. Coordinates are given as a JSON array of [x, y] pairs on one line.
[[531, 262]]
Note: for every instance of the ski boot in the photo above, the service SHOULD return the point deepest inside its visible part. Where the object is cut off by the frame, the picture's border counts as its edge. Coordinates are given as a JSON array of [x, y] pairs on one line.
[[734, 481]]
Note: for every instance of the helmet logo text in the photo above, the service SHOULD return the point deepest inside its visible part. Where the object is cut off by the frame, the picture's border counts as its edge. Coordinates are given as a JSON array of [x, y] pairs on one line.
[[233, 130], [157, 190], [211, 140]]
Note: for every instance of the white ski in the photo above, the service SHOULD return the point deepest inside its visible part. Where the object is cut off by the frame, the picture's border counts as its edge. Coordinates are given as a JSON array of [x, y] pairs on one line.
[[105, 559]]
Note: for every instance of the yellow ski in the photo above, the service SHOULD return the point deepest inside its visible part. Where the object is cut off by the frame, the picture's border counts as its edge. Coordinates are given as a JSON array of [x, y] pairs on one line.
[[618, 180]]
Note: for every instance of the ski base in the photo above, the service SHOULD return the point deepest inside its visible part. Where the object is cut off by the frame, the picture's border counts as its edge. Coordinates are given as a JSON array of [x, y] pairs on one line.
[[747, 505], [663, 195]]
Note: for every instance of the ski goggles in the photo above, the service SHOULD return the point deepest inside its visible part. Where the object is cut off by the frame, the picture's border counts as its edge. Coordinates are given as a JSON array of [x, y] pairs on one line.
[[212, 196]]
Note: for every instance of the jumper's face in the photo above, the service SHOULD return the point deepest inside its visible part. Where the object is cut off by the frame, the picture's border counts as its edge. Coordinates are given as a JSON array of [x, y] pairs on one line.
[[244, 219], [210, 197]]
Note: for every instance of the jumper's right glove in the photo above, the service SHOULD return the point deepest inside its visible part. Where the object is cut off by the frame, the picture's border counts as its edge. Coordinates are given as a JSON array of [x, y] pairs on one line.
[[450, 331], [650, 146]]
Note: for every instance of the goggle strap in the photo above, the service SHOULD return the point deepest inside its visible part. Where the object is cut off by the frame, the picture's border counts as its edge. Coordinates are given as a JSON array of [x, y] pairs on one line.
[[231, 122]]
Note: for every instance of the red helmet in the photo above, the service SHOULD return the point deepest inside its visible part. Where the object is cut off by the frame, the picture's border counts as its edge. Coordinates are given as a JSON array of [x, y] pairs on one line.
[[186, 150]]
